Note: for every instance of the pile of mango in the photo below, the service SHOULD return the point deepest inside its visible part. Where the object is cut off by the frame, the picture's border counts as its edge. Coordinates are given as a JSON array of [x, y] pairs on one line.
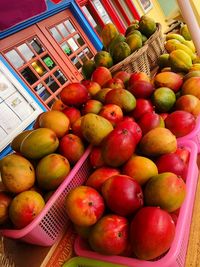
[[118, 46], [41, 160], [181, 52]]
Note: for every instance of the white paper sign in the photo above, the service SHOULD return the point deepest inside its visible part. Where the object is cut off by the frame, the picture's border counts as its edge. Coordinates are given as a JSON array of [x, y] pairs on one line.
[[19, 105], [3, 134], [6, 87], [8, 119]]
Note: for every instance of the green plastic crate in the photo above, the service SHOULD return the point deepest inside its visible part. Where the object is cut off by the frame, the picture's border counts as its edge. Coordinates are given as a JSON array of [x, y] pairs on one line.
[[85, 262]]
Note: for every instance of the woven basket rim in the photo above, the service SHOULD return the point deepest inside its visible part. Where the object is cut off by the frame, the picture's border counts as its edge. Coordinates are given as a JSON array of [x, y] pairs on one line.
[[132, 57], [155, 34]]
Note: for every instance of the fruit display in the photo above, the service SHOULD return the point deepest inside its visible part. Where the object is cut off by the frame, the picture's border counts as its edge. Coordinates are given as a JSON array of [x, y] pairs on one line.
[[130, 202], [118, 46], [127, 117], [137, 164]]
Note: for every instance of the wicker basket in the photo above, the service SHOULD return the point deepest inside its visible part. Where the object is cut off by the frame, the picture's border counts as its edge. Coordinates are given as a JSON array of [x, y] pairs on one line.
[[155, 46], [136, 62]]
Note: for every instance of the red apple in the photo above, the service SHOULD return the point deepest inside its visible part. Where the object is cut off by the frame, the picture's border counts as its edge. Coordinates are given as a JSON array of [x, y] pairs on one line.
[[142, 106], [149, 121], [74, 94], [109, 235], [71, 147], [92, 87], [72, 113], [92, 106], [132, 126], [96, 158], [99, 176], [112, 112], [5, 201], [123, 194], [84, 205], [101, 75], [152, 232], [124, 76], [115, 83], [171, 162], [180, 123], [141, 89]]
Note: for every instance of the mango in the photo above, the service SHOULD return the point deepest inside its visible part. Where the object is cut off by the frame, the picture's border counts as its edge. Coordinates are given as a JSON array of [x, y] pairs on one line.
[[165, 190], [134, 41], [16, 142], [158, 141], [117, 39], [180, 61], [176, 36], [195, 66], [131, 28], [147, 25], [163, 60], [95, 128], [51, 171], [185, 32], [56, 121], [108, 33], [39, 143], [25, 207], [100, 96], [173, 44], [121, 51], [103, 58], [121, 97], [190, 74], [168, 79], [190, 44], [191, 87], [17, 173]]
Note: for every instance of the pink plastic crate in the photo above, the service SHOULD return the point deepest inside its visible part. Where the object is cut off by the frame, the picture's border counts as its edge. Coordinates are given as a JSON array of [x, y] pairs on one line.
[[194, 135], [175, 257], [50, 224]]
